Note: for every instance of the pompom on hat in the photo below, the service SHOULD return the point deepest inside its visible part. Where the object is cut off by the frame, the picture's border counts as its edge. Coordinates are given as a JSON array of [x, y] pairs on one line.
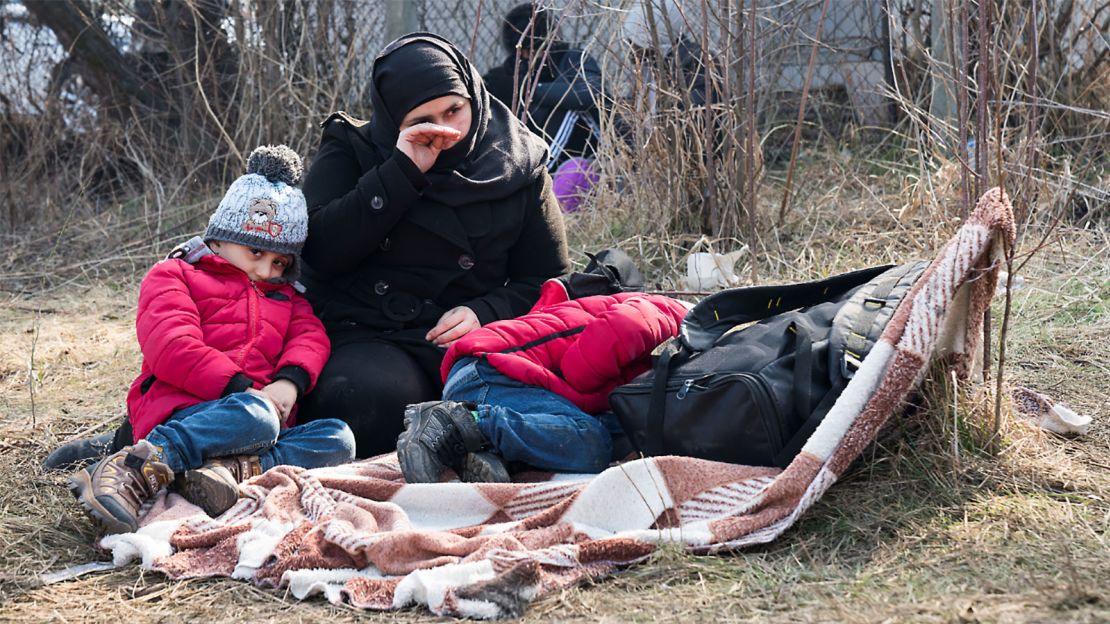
[[265, 209]]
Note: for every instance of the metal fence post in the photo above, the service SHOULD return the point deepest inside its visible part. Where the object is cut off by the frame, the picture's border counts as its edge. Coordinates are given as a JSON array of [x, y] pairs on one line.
[[401, 18]]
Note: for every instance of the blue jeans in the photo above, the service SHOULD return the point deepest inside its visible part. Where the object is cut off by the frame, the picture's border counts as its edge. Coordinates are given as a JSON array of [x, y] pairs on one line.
[[532, 425], [246, 424]]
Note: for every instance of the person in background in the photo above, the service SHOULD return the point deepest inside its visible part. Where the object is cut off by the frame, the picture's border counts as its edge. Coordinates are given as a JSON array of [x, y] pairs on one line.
[[229, 347], [673, 65], [557, 87], [431, 219]]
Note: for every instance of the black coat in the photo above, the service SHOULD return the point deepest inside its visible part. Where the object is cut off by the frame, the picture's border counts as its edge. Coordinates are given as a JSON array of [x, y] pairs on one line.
[[382, 259]]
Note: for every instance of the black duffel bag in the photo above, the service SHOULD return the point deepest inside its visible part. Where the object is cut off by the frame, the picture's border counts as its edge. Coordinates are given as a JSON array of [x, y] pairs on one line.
[[734, 390]]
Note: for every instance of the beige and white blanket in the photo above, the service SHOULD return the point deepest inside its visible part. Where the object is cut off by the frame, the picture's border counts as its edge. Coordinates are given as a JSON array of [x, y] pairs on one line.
[[358, 534]]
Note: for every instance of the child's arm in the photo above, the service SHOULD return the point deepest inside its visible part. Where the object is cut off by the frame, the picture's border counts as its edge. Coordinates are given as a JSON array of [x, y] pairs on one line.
[[171, 339], [306, 348]]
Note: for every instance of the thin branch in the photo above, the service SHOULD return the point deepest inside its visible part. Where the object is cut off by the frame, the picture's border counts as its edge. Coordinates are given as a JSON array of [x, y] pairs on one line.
[[802, 113]]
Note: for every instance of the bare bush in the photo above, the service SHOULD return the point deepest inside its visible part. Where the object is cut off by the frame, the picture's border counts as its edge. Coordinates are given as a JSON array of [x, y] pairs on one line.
[[152, 104]]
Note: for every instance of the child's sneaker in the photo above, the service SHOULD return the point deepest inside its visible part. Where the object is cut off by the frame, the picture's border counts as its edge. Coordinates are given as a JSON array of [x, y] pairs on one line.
[[114, 490], [214, 487], [440, 435]]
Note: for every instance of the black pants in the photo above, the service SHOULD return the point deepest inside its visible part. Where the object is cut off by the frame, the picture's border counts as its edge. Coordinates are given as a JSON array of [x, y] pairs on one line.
[[367, 383]]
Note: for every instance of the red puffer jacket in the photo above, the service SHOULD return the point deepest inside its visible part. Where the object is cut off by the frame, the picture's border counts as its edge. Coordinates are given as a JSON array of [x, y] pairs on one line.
[[579, 349], [206, 331]]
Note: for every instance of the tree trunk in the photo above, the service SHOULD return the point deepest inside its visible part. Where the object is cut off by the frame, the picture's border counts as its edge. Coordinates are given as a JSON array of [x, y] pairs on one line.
[[106, 70]]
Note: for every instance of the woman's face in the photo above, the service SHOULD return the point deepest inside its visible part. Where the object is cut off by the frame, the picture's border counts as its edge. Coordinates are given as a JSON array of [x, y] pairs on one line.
[[452, 111]]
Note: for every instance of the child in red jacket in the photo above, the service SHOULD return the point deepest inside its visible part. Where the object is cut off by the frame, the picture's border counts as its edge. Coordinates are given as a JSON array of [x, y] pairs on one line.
[[534, 390], [229, 346]]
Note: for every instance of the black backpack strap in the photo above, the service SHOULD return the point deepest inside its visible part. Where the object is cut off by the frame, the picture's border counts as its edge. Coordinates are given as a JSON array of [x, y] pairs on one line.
[[653, 442], [718, 313], [794, 445]]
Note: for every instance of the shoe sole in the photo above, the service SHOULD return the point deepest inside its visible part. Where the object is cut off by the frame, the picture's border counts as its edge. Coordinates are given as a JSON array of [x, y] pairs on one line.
[[101, 509], [483, 467], [417, 473], [207, 492]]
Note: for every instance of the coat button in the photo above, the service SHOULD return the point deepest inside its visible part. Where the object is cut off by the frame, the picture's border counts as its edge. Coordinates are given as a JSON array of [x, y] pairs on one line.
[[466, 262], [381, 287], [377, 203]]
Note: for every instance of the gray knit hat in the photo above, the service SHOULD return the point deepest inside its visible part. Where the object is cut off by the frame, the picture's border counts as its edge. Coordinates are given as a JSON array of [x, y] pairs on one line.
[[264, 209]]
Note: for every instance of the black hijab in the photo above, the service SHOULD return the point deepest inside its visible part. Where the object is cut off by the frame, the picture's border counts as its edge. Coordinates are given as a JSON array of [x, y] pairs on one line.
[[498, 157]]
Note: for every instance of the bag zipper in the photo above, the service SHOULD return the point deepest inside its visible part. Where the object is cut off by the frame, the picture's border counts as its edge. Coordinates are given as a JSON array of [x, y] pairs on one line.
[[766, 405]]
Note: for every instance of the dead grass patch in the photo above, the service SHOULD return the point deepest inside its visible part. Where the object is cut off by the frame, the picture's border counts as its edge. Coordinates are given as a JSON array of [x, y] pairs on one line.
[[914, 532]]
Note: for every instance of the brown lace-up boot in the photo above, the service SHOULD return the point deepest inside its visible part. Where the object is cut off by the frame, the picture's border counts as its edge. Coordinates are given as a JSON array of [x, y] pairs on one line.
[[114, 491], [214, 487]]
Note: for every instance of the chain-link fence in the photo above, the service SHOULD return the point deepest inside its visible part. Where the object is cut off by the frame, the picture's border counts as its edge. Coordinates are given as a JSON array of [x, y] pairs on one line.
[[134, 92], [853, 52]]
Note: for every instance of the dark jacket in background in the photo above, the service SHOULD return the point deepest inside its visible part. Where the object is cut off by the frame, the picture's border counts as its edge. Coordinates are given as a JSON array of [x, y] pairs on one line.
[[569, 80], [686, 63]]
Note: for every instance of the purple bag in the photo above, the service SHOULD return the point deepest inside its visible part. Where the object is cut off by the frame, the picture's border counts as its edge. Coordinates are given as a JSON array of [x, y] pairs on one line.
[[572, 182]]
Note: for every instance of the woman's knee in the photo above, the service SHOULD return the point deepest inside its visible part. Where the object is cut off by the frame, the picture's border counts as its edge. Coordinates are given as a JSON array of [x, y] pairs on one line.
[[367, 386]]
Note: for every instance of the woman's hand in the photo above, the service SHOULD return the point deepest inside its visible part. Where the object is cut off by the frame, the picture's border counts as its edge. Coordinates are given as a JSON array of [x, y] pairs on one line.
[[454, 324], [423, 142]]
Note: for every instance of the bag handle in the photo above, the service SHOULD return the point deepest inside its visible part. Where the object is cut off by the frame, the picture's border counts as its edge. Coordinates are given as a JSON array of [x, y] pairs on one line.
[[803, 370], [718, 313], [653, 441]]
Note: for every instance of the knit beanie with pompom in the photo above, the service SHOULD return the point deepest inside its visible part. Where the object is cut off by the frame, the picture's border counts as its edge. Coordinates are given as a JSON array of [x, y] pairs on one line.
[[264, 209]]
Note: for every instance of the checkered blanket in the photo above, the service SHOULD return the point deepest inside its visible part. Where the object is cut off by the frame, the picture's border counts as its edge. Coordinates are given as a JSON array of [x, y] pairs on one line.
[[358, 534]]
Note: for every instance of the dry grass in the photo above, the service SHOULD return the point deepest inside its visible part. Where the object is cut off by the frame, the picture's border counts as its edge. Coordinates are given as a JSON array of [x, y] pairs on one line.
[[914, 533], [926, 528]]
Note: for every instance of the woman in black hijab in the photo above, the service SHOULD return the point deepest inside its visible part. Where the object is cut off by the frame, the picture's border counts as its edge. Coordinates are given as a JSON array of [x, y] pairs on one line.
[[433, 218]]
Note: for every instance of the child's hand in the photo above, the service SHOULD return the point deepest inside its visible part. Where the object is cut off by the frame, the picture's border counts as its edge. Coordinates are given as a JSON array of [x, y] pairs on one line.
[[257, 392], [283, 393], [454, 324]]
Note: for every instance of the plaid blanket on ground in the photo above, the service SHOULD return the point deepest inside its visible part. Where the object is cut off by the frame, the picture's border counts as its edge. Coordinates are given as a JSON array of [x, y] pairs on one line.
[[357, 533]]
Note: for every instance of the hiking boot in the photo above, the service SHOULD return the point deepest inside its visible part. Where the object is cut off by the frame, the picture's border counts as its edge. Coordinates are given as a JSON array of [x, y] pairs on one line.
[[80, 452], [214, 487], [484, 467], [114, 491], [438, 435]]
